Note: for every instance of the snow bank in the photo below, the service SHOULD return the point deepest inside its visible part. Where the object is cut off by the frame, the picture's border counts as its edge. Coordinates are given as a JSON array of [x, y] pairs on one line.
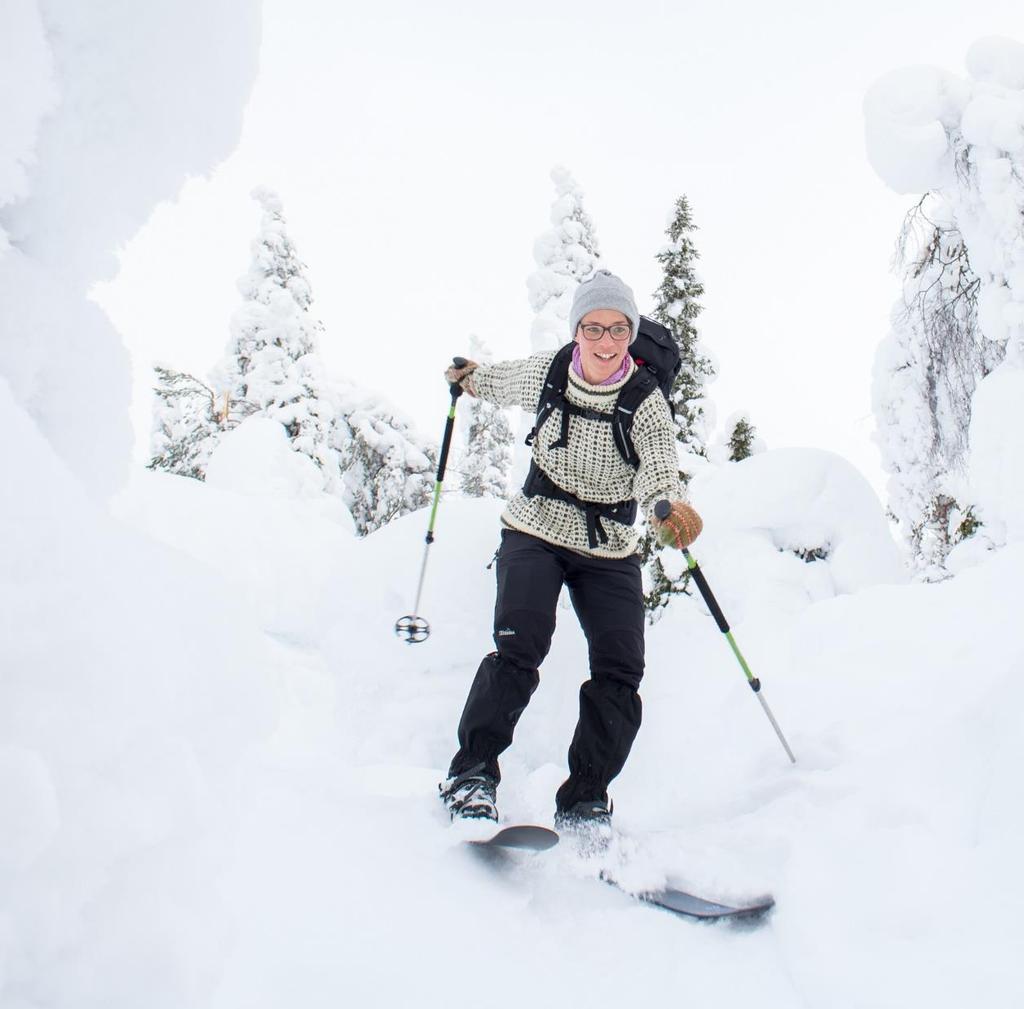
[[132, 689], [133, 686], [275, 551]]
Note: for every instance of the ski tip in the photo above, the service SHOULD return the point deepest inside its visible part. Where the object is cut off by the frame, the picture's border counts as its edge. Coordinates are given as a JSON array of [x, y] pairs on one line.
[[525, 836]]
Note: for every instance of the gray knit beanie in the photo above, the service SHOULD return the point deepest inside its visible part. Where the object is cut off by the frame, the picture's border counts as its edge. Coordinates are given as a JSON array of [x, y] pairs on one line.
[[603, 289]]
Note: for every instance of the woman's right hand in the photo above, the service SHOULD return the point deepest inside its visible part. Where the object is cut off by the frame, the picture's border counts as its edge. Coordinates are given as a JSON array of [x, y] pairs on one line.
[[457, 375]]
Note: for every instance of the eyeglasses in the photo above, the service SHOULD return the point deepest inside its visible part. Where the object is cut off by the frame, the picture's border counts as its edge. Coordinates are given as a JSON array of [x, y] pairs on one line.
[[619, 331]]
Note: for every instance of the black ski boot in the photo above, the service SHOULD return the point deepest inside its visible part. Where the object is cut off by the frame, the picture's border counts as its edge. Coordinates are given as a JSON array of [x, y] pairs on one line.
[[587, 824], [471, 795]]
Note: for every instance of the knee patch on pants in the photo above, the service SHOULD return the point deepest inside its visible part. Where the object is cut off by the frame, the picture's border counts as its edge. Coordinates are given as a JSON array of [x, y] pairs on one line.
[[618, 654]]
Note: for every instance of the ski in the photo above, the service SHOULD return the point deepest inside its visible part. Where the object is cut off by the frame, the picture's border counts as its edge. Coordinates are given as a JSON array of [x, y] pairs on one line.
[[526, 837], [688, 905]]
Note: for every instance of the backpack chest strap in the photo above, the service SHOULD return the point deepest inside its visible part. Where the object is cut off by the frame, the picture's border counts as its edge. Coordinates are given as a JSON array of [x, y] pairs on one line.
[[569, 410]]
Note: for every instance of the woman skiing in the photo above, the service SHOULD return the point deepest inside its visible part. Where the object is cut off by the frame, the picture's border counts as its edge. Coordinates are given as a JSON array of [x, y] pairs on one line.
[[572, 524]]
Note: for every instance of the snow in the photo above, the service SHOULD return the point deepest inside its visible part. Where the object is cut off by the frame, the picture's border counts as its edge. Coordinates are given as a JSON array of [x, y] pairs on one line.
[[27, 93], [928, 129], [997, 453], [339, 861], [997, 60], [256, 458], [906, 113]]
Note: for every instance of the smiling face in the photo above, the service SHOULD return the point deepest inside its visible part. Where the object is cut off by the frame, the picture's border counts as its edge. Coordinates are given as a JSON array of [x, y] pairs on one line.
[[601, 358]]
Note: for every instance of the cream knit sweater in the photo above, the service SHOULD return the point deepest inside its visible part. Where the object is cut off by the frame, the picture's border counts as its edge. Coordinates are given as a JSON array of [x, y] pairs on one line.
[[590, 467]]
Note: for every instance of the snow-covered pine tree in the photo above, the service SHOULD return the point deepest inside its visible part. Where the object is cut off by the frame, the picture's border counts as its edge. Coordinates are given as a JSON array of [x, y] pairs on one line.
[[925, 374], [677, 306], [565, 254], [272, 364], [388, 470], [186, 424], [486, 463]]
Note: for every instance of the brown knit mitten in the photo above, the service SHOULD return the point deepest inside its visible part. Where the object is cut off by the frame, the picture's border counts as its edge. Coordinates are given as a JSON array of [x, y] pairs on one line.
[[458, 376], [679, 526]]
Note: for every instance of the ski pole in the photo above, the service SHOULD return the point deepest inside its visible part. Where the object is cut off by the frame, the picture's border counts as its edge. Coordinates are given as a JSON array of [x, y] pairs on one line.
[[662, 510], [413, 627]]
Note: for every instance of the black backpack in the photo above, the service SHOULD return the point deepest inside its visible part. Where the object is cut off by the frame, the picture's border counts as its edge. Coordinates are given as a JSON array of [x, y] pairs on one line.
[[657, 357]]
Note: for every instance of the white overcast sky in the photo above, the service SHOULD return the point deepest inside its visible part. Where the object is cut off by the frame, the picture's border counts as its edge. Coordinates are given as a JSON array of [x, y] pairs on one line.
[[411, 144]]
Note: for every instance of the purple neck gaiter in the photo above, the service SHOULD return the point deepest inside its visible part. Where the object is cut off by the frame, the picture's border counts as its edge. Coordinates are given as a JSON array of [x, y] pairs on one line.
[[577, 366]]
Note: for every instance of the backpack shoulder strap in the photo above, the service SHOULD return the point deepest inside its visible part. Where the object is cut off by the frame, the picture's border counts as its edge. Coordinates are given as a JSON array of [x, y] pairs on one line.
[[552, 392], [634, 392]]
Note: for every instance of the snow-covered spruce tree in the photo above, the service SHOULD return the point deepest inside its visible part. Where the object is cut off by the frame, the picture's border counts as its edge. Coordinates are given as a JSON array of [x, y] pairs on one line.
[[737, 439], [187, 423], [486, 463], [272, 365], [387, 469], [926, 371], [742, 440], [565, 254], [677, 306]]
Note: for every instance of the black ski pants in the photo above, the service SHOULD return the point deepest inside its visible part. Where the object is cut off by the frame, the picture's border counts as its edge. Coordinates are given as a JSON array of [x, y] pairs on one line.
[[607, 595]]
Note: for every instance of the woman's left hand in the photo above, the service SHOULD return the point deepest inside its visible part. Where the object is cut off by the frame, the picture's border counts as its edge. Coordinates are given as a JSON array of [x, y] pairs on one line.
[[680, 527]]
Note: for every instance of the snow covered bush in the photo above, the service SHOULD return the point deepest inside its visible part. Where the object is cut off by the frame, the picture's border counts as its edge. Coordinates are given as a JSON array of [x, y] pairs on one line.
[[925, 375], [387, 468], [187, 423]]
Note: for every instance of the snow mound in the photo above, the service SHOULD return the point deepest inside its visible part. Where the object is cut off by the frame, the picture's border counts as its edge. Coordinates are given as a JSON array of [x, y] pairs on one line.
[[789, 526], [257, 459], [274, 552]]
